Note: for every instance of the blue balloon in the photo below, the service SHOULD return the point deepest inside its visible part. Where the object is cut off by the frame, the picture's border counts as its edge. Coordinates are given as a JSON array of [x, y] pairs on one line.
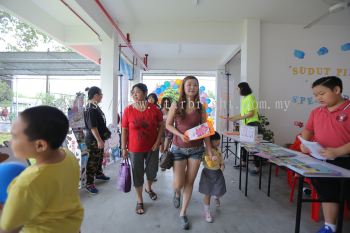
[[163, 88], [167, 84], [158, 91], [208, 101], [202, 88], [209, 110], [8, 171], [175, 86]]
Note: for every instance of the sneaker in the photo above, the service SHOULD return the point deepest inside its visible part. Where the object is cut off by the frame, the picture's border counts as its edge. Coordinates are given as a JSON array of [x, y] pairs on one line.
[[176, 201], [185, 224], [92, 189], [102, 177], [307, 191], [325, 229], [208, 217]]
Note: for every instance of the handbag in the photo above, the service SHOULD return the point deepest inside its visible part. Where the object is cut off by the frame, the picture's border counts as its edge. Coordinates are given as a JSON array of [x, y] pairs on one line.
[[166, 160], [124, 180]]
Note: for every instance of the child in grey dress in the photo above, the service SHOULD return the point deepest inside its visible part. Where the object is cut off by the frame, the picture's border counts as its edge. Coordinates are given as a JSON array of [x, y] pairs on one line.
[[212, 181]]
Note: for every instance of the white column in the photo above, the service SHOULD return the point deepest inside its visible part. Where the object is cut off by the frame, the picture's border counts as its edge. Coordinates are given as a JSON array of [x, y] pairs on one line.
[[250, 54], [221, 100], [109, 78]]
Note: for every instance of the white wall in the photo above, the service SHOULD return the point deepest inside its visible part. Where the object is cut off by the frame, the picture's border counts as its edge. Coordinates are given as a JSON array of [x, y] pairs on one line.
[[279, 83]]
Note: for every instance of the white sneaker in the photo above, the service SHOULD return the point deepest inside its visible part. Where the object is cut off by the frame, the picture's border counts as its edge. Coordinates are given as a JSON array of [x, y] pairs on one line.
[[208, 217]]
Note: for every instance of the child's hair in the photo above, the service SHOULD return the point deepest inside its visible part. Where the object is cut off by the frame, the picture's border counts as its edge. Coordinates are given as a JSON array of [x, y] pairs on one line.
[[92, 91], [154, 96], [329, 81], [215, 136], [244, 89], [46, 123], [165, 103]]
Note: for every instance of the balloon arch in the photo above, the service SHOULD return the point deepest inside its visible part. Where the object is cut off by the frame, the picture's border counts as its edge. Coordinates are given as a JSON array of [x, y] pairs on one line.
[[207, 102]]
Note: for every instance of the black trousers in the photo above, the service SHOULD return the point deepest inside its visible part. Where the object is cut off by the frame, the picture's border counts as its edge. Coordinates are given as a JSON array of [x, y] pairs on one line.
[[244, 152]]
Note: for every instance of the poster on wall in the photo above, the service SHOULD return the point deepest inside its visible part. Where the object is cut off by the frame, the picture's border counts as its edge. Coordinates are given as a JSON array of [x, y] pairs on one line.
[[311, 63]]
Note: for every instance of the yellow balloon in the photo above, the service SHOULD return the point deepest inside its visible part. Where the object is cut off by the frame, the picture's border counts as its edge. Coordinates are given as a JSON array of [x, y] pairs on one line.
[[178, 82]]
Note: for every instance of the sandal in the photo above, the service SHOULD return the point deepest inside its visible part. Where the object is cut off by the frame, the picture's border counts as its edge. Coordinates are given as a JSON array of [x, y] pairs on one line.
[[151, 194], [139, 208], [176, 201]]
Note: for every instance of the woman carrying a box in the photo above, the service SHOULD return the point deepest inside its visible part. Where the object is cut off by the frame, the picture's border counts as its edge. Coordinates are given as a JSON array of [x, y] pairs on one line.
[[185, 114]]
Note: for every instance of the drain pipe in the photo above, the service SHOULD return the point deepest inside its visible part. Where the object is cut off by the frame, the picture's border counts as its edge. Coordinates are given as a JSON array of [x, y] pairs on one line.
[[72, 10], [143, 61]]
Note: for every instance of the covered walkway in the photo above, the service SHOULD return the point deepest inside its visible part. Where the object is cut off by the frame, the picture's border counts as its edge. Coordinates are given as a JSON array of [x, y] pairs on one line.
[[114, 211]]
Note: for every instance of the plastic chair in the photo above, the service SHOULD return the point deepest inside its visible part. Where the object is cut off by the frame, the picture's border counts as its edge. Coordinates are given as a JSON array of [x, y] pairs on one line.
[[292, 180], [315, 206]]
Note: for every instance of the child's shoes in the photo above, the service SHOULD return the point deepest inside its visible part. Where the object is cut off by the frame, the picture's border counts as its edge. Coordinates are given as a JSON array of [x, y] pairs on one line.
[[208, 217]]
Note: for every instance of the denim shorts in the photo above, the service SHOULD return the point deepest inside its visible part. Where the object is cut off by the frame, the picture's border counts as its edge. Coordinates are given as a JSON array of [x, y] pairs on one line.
[[186, 153]]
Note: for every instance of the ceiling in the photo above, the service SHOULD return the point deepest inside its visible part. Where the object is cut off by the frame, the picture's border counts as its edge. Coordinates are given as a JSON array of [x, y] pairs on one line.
[[269, 11], [169, 29]]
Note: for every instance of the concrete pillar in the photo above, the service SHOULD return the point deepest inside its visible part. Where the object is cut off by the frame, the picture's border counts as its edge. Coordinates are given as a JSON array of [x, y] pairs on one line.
[[109, 78], [221, 100], [250, 54]]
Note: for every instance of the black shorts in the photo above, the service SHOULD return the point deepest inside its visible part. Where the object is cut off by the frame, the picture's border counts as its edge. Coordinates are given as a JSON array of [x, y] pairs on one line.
[[328, 188]]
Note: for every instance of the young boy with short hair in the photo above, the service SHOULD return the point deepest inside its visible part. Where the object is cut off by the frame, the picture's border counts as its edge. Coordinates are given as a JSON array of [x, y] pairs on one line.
[[329, 124], [45, 196]]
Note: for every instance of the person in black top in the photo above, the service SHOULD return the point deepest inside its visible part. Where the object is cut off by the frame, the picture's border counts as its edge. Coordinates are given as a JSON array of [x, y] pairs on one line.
[[96, 134]]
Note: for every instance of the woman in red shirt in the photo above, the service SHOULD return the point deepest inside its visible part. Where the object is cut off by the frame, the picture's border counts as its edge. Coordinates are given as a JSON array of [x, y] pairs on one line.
[[142, 129]]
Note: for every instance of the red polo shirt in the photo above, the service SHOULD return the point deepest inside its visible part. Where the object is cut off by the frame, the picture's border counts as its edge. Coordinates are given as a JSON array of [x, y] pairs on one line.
[[142, 127], [328, 130]]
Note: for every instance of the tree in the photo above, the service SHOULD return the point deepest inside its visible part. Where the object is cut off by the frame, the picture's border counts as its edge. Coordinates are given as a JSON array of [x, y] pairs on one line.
[[16, 35], [6, 94], [62, 102]]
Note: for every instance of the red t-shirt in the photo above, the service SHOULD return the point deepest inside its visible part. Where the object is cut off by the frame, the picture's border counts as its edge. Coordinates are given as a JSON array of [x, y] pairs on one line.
[[142, 127], [328, 128]]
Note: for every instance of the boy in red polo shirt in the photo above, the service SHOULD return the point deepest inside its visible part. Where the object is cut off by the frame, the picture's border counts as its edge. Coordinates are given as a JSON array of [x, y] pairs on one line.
[[330, 126]]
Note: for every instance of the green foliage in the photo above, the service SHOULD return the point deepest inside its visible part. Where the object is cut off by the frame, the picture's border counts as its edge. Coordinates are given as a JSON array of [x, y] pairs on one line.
[[4, 137], [173, 94], [25, 37], [268, 135], [62, 102], [6, 94]]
